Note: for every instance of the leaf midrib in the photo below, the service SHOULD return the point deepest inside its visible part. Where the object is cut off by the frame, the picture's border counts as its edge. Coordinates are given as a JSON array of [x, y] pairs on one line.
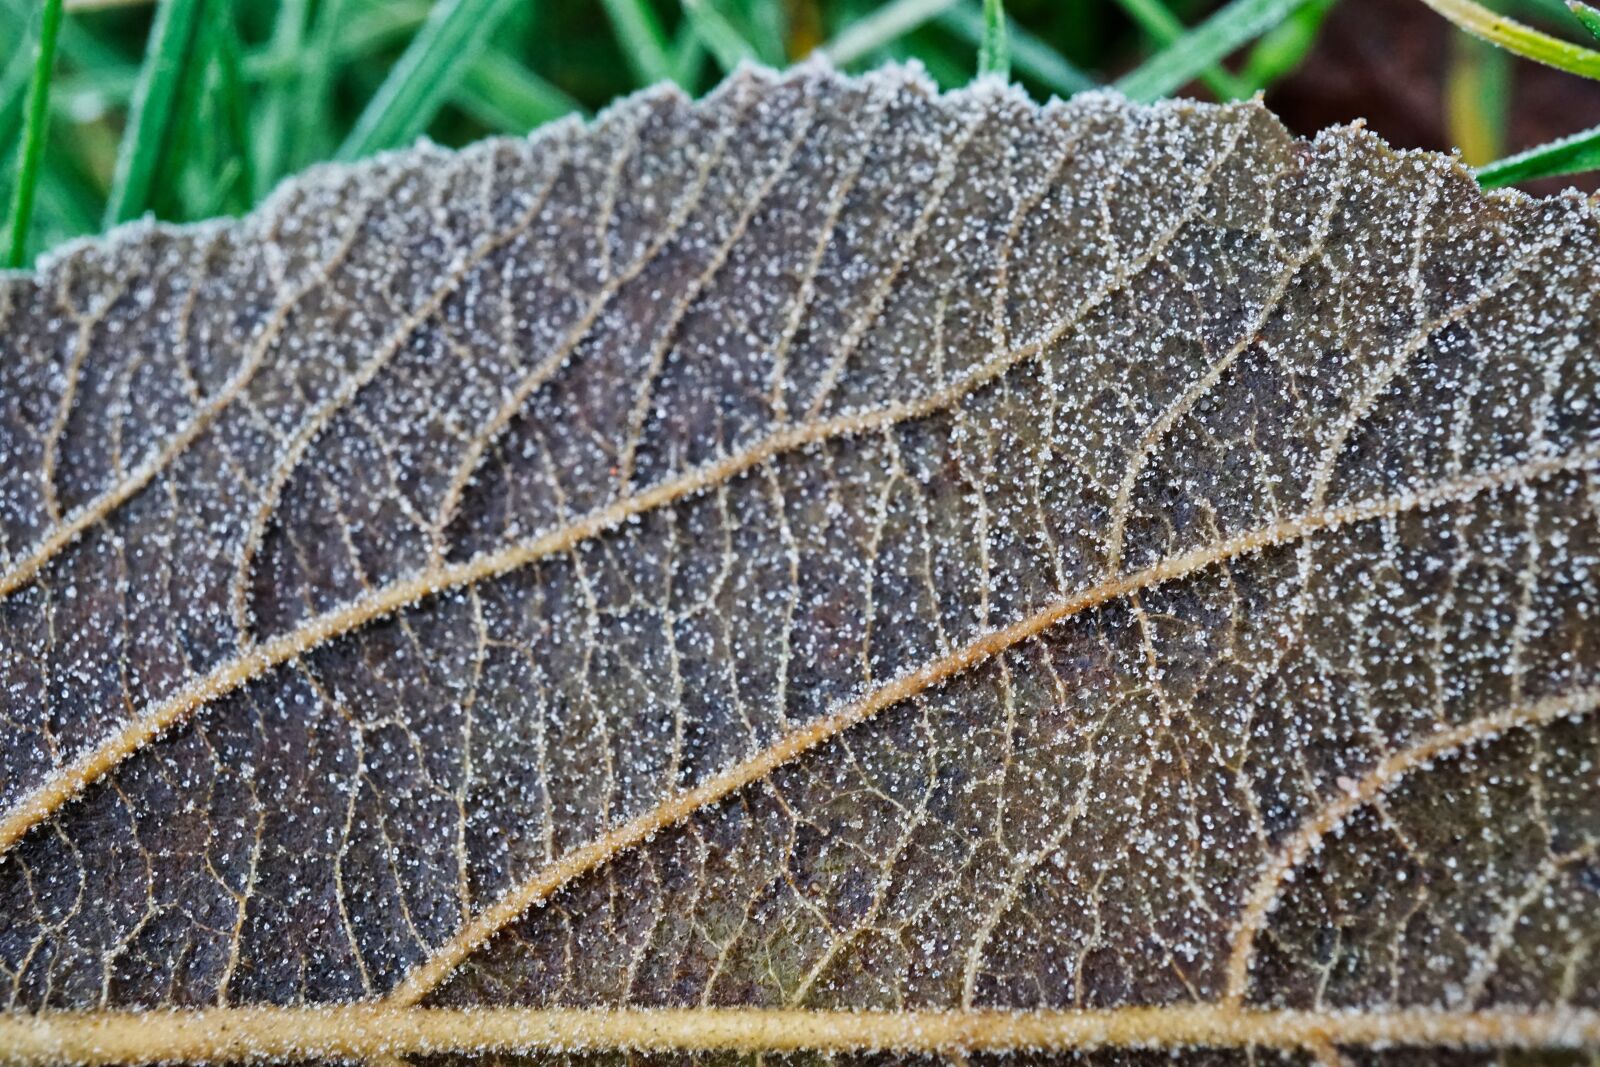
[[368, 1031]]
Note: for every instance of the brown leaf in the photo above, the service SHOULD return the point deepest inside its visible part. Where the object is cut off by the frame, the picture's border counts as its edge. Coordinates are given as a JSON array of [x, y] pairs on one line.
[[831, 567]]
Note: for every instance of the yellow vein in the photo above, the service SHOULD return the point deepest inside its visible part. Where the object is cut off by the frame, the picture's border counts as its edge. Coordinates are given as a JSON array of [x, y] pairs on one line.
[[260, 658], [1375, 783], [366, 1031], [1530, 259], [536, 378], [1202, 386], [255, 660], [24, 569], [685, 300], [73, 373], [293, 454], [548, 879], [856, 333]]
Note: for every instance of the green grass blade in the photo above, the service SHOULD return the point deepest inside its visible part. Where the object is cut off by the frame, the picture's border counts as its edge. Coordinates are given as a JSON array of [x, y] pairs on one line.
[[238, 193], [72, 174], [770, 31], [885, 25], [360, 30], [726, 44], [644, 42], [456, 34], [1029, 55], [688, 57], [315, 135], [189, 172], [342, 37], [1235, 24], [69, 203], [279, 95], [14, 81], [1570, 155], [1157, 20], [994, 54], [1589, 16], [1477, 95], [1282, 49], [77, 46], [167, 56], [764, 27], [508, 97], [38, 119], [1513, 36]]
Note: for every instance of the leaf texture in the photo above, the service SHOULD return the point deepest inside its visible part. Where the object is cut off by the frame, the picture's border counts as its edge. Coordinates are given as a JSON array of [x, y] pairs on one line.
[[832, 570]]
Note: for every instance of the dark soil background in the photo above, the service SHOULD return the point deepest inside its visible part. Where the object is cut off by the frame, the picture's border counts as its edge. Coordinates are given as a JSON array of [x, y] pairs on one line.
[[1385, 60]]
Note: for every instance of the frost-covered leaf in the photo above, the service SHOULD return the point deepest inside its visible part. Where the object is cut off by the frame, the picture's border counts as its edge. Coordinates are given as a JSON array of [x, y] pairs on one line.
[[932, 572]]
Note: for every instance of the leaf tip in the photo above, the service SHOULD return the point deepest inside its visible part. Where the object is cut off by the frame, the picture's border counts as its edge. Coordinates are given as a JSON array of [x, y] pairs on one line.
[[1587, 14]]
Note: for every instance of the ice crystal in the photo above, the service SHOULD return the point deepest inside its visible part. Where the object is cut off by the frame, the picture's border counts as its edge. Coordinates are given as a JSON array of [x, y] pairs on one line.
[[829, 546]]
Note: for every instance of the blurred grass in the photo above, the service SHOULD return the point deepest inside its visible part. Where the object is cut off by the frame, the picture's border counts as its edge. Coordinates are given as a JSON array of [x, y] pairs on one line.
[[1477, 95], [35, 124], [1498, 28], [1586, 14], [186, 109]]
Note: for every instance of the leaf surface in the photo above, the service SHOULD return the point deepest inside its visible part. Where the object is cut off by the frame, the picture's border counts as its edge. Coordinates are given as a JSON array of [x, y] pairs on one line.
[[832, 569]]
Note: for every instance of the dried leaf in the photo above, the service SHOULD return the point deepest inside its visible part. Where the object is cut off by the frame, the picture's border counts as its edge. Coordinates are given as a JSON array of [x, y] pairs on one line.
[[831, 567]]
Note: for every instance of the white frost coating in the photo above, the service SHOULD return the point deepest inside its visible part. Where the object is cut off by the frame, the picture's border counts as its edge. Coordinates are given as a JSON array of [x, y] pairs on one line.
[[833, 545]]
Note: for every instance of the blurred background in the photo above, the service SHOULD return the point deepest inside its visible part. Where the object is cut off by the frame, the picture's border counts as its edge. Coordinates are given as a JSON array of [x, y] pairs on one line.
[[189, 109]]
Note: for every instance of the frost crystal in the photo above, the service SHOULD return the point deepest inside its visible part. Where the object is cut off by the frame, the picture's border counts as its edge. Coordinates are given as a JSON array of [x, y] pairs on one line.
[[830, 546]]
